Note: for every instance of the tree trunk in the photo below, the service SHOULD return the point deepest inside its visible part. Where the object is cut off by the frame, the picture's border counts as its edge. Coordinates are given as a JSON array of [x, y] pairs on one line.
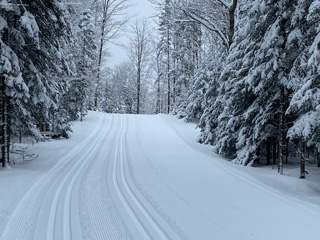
[[318, 156], [281, 131], [174, 93], [138, 87], [104, 20], [98, 77], [268, 146], [302, 164], [274, 153], [53, 120], [8, 140], [8, 146], [168, 69], [81, 112], [258, 155], [287, 150], [3, 136], [158, 107], [232, 11]]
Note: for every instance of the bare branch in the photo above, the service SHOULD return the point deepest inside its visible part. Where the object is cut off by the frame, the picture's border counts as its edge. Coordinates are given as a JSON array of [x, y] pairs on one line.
[[226, 4], [208, 24]]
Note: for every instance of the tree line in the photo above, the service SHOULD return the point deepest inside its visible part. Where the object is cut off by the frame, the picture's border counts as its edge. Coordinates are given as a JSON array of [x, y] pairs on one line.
[[248, 71], [50, 67]]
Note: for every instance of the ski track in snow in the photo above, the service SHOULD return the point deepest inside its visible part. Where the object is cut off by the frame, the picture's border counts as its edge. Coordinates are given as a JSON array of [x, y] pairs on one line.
[[238, 174], [23, 221], [100, 190], [218, 233], [89, 194], [71, 176], [97, 205], [50, 208], [147, 222]]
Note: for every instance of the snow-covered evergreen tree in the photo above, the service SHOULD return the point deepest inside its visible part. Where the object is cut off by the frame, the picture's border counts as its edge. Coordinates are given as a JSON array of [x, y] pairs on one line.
[[36, 44], [253, 93], [85, 51], [204, 83], [305, 75], [165, 46], [185, 54]]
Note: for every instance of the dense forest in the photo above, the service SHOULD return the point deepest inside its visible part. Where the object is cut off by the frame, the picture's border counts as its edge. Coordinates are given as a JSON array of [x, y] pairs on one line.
[[52, 64], [248, 71]]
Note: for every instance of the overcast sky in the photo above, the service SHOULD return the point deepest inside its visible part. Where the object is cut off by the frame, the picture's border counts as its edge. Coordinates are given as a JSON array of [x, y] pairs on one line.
[[141, 9]]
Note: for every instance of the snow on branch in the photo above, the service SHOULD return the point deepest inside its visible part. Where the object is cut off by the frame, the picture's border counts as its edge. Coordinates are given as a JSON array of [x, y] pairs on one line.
[[208, 24], [226, 4]]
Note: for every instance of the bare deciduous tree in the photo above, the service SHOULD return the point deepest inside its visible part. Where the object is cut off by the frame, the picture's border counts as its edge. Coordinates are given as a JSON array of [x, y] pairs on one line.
[[110, 19], [140, 53], [216, 15]]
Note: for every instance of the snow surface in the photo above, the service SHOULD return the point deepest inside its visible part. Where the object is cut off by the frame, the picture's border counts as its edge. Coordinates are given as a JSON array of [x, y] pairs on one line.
[[145, 177]]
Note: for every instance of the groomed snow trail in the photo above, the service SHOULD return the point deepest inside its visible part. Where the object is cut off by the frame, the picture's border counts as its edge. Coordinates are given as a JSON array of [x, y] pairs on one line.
[[144, 222], [88, 194], [136, 177]]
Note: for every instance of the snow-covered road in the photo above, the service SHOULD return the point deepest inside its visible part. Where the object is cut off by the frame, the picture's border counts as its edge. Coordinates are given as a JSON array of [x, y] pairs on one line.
[[141, 177]]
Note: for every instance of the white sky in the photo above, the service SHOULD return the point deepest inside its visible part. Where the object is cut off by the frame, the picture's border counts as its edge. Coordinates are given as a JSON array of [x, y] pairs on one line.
[[140, 8]]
